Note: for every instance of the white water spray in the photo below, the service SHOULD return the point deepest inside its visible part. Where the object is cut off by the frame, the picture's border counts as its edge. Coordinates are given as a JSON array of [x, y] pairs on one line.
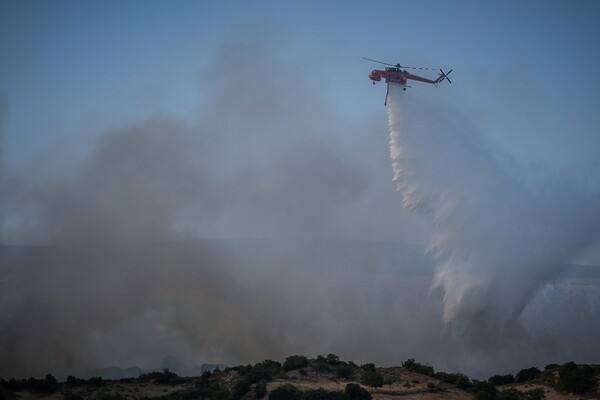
[[496, 240]]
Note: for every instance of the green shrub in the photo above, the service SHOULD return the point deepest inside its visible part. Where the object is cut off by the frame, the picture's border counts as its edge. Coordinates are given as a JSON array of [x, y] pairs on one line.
[[502, 379], [321, 364], [510, 394], [483, 390], [370, 376], [295, 362], [344, 371], [47, 385], [260, 389], [241, 388], [285, 392], [95, 381], [322, 394], [269, 368], [514, 394], [165, 377], [411, 365], [527, 374], [356, 392], [461, 381], [551, 366], [536, 394], [333, 359], [575, 379]]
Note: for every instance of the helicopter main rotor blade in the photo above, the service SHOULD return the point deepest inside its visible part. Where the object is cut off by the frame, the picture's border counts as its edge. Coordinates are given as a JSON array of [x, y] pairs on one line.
[[380, 62], [428, 69], [400, 66]]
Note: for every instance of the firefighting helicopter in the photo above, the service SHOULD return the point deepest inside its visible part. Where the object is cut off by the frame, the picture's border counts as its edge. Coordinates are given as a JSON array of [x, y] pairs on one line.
[[398, 75]]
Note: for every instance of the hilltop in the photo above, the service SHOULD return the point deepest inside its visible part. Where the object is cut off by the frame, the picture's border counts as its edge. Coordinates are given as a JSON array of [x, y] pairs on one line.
[[323, 378]]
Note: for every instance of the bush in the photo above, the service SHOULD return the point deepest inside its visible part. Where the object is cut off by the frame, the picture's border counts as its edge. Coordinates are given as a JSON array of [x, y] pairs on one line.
[[260, 389], [95, 381], [370, 376], [510, 394], [333, 359], [165, 377], [295, 362], [461, 381], [269, 368], [241, 388], [322, 394], [285, 392], [356, 392], [514, 394], [413, 366], [71, 380], [47, 385], [321, 364], [551, 366], [527, 374], [483, 390], [536, 394], [502, 379], [344, 371], [575, 379], [265, 370]]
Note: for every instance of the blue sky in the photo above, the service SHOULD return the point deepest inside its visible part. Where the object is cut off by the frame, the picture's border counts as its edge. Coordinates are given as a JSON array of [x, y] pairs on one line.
[[66, 62], [523, 71]]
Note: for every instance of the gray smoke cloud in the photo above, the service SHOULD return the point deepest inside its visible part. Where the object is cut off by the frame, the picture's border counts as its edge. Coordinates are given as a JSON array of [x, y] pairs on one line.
[[3, 107], [265, 159], [114, 259]]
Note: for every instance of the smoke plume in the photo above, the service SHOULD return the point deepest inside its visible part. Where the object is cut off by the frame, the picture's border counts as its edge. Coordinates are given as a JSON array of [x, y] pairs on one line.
[[134, 250]]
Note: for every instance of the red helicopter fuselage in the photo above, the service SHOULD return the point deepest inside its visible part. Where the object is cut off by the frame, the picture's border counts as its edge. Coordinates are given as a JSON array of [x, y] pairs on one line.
[[399, 76]]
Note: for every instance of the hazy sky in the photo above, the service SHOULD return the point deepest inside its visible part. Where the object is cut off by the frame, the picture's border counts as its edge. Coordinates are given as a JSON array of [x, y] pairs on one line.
[[523, 71], [525, 68], [153, 121]]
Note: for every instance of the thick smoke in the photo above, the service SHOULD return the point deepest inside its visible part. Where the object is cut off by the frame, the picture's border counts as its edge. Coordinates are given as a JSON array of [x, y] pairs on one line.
[[266, 158], [3, 106], [497, 239], [136, 260]]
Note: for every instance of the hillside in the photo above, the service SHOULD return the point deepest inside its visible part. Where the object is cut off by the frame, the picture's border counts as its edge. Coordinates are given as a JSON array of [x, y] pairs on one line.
[[323, 378]]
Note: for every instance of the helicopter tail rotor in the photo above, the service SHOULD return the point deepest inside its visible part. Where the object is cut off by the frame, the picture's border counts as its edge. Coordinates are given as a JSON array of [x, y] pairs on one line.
[[445, 75]]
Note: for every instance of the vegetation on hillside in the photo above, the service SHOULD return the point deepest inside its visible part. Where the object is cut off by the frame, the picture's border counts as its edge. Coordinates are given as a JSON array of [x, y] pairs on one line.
[[291, 380]]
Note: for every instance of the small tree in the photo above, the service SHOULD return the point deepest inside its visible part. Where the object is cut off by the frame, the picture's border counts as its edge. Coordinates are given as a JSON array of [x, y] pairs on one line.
[[575, 379], [502, 379], [241, 388], [333, 359], [295, 362], [355, 392], [285, 392], [370, 376], [260, 389], [527, 374], [483, 390], [344, 371]]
